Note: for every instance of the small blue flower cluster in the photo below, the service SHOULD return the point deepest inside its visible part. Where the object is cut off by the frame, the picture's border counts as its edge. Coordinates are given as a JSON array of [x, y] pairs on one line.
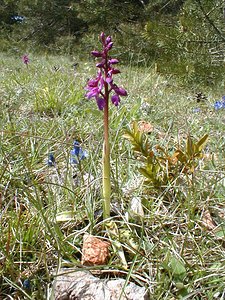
[[220, 104], [196, 110], [51, 160], [27, 284], [18, 19], [76, 155]]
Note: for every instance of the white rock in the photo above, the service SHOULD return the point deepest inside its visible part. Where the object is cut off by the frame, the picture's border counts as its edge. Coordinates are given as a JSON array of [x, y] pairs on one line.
[[82, 285]]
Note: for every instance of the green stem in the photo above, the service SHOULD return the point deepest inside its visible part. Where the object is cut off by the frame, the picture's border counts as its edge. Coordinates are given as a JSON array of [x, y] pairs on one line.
[[106, 159]]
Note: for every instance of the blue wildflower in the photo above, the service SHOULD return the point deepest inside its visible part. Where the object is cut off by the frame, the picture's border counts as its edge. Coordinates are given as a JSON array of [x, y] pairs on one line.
[[76, 148], [26, 284], [51, 160], [196, 110], [218, 105], [77, 153], [17, 18]]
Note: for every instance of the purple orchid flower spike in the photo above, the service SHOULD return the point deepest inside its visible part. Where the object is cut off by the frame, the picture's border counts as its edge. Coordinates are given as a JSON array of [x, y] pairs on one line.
[[25, 59], [101, 86]]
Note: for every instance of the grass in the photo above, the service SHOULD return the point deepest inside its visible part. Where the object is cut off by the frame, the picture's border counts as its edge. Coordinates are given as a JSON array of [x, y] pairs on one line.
[[46, 210]]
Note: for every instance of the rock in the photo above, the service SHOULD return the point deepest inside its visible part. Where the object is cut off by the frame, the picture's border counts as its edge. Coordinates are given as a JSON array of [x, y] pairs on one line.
[[95, 251], [82, 285]]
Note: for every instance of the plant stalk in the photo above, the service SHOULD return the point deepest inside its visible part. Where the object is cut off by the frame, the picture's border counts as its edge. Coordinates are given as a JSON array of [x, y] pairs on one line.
[[106, 159]]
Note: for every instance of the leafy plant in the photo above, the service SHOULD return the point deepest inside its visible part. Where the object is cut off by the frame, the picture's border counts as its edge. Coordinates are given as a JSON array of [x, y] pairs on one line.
[[160, 166], [176, 271]]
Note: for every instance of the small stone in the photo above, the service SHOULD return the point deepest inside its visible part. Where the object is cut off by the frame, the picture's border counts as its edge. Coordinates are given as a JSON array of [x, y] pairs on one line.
[[95, 251], [82, 285]]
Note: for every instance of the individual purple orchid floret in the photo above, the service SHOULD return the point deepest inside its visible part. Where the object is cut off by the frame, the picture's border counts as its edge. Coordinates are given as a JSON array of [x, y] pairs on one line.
[[101, 103], [25, 59], [115, 100], [101, 86], [96, 53], [77, 153]]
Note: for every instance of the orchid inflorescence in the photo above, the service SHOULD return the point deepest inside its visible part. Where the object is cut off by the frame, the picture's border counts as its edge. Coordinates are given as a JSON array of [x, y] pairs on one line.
[[101, 86], [25, 59]]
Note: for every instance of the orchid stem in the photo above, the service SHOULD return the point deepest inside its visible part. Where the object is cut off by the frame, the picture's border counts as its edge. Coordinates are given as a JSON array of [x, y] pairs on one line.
[[106, 160]]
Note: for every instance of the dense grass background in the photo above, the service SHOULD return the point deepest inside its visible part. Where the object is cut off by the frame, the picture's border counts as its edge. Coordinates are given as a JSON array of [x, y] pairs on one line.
[[45, 211]]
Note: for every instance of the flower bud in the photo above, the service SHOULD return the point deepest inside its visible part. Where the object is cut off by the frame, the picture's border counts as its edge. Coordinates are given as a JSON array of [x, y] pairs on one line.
[[96, 53], [113, 61], [109, 46], [108, 39], [102, 37], [114, 71], [101, 64], [120, 91]]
